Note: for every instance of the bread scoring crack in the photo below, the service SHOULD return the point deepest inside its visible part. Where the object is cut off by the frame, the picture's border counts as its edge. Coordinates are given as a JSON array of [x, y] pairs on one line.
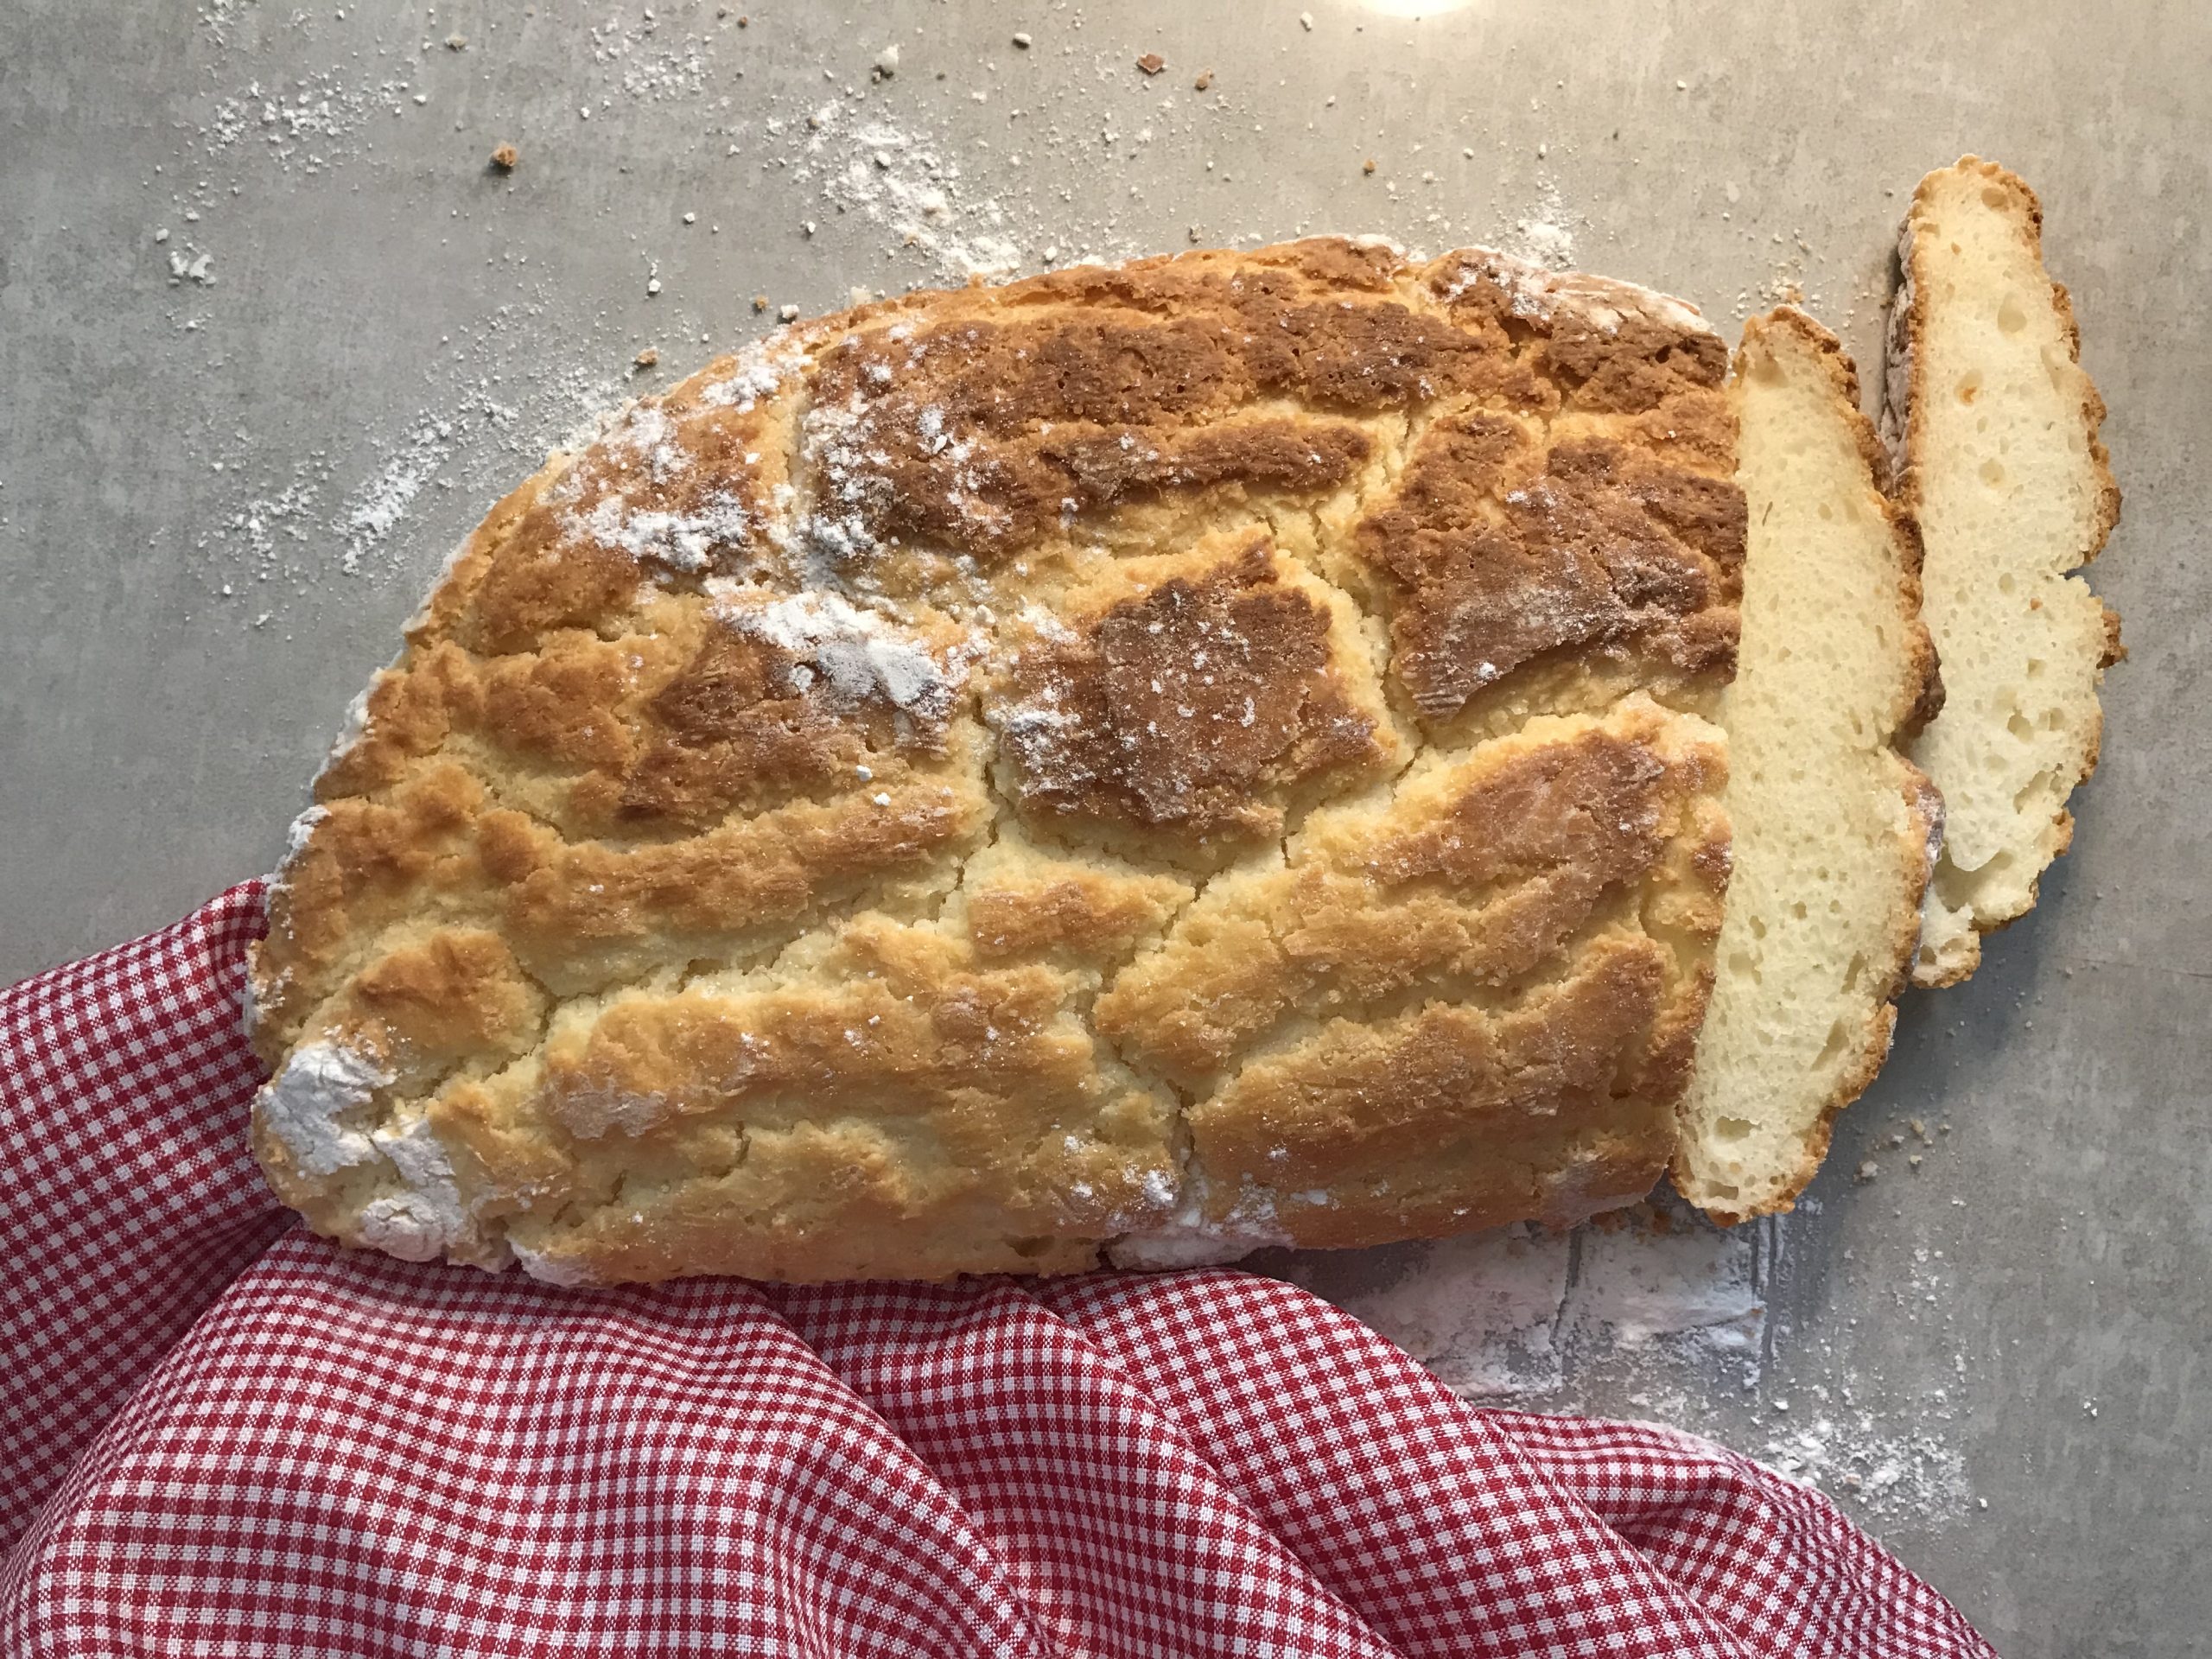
[[836, 989]]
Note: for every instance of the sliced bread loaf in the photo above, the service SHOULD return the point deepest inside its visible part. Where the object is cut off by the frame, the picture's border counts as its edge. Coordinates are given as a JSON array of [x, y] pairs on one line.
[[1834, 830], [1994, 427]]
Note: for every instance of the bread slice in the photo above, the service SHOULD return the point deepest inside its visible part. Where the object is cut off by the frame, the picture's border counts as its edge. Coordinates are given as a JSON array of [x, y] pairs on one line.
[[1834, 830], [1994, 427]]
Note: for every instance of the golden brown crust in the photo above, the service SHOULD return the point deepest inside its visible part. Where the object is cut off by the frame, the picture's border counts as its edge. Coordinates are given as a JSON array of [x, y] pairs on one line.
[[1194, 707], [789, 843], [1516, 1113], [1476, 876]]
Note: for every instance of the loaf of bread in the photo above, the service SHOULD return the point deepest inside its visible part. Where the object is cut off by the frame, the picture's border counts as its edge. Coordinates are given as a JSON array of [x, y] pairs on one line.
[[1130, 765], [1993, 428], [1835, 831]]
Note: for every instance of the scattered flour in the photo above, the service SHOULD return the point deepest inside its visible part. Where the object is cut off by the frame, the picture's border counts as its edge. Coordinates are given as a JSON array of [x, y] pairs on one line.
[[321, 1084], [1544, 234], [285, 535], [1846, 1453], [1658, 1312], [1695, 1282], [307, 124], [277, 526], [855, 653], [914, 190], [418, 1223], [643, 66], [372, 511], [1485, 1311], [1501, 1313], [370, 514]]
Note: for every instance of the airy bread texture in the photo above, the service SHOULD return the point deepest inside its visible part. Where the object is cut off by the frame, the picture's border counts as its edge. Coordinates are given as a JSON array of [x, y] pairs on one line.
[[1140, 762], [1835, 831], [1994, 427]]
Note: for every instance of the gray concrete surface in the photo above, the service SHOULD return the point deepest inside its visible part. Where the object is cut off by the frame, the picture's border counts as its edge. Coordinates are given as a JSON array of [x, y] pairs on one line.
[[392, 331]]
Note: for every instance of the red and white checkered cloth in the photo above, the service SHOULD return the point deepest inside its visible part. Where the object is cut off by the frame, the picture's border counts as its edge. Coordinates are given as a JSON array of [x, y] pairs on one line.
[[220, 1434]]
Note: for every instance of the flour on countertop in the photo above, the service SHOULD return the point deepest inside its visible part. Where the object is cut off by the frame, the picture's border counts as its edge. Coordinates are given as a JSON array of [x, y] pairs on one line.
[[1544, 234], [285, 534], [1500, 1314], [915, 191], [867, 154], [372, 511], [645, 65], [1655, 1312]]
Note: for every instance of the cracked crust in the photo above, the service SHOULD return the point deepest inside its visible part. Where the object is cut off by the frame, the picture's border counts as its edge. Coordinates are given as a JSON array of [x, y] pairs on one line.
[[1978, 322], [1209, 750]]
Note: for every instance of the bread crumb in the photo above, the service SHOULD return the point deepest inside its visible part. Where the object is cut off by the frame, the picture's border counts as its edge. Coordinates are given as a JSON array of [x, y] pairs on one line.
[[646, 359], [505, 158], [456, 42], [1152, 63], [1367, 166], [1305, 21], [760, 302], [1869, 1170], [1021, 38], [1204, 80], [788, 314]]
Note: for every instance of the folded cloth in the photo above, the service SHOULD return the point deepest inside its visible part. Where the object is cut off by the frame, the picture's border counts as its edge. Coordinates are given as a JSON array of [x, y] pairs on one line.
[[222, 1434]]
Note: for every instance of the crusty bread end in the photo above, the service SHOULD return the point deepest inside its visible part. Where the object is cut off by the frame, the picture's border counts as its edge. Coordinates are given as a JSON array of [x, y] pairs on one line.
[[1994, 427]]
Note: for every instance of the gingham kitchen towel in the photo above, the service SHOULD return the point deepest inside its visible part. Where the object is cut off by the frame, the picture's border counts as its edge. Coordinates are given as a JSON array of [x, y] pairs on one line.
[[220, 1434]]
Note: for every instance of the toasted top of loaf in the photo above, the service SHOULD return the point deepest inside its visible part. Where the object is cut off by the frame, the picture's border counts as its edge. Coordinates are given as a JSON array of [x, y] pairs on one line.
[[1154, 760], [1834, 830], [1994, 427]]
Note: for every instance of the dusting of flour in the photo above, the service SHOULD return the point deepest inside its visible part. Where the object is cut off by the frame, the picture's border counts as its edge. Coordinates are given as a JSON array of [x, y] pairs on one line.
[[1655, 1312]]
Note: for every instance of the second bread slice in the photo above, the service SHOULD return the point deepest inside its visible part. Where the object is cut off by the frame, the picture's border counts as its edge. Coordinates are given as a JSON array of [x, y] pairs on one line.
[[1994, 429], [1834, 830]]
